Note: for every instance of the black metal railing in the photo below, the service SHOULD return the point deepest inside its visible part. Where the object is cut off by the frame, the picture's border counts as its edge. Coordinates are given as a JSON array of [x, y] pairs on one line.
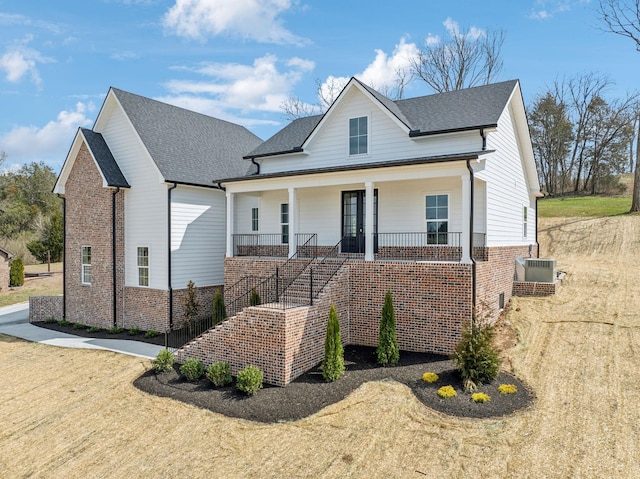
[[273, 244], [419, 246], [176, 338]]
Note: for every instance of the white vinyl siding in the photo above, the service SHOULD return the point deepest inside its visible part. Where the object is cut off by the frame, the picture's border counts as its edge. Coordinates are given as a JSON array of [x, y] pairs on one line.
[[197, 236], [330, 146], [506, 188], [86, 265], [145, 204]]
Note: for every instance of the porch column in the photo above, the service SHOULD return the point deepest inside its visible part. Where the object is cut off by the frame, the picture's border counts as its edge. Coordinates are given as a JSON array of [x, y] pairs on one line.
[[293, 222], [368, 244], [230, 197], [466, 218]]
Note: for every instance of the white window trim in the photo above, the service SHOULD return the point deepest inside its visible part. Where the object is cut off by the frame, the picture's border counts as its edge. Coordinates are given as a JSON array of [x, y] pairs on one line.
[[448, 220], [359, 155], [148, 267], [283, 223], [83, 265]]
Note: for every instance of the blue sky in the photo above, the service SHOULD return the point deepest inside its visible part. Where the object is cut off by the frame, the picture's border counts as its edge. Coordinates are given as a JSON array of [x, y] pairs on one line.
[[240, 59]]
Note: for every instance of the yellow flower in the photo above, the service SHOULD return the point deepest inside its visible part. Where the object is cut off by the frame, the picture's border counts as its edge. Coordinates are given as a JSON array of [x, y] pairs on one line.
[[507, 389], [430, 377], [447, 392], [480, 397]]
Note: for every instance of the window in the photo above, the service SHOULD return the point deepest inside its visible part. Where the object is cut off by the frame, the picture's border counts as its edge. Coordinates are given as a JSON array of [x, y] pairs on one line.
[[284, 222], [86, 265], [437, 214], [254, 219], [358, 136], [524, 222], [143, 266]]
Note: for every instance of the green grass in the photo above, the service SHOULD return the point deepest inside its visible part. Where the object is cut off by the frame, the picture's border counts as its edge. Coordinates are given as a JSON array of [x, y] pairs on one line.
[[584, 206]]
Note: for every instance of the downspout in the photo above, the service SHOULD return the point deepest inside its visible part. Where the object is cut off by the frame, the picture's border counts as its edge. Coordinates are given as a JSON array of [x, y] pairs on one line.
[[64, 255], [169, 253], [537, 244], [473, 261], [113, 253], [253, 160], [218, 186]]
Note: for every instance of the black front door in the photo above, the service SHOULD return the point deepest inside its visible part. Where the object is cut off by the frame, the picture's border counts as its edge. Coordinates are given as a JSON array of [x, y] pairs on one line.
[[353, 220]]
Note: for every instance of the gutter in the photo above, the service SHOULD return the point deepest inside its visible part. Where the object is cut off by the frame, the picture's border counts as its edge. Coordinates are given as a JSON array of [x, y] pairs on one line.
[[114, 257], [169, 253], [64, 255]]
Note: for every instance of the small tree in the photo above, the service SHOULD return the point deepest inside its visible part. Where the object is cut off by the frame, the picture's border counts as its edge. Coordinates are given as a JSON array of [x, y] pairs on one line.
[[333, 362], [475, 356], [388, 351], [190, 305], [16, 273], [254, 298], [219, 310]]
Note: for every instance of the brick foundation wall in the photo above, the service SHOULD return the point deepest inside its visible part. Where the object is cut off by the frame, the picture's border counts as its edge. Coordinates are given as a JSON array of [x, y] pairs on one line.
[[146, 309], [42, 308], [431, 301], [496, 276], [529, 288], [88, 222], [204, 297]]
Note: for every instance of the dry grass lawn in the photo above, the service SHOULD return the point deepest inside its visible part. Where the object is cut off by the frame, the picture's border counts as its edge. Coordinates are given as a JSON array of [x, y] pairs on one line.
[[71, 413]]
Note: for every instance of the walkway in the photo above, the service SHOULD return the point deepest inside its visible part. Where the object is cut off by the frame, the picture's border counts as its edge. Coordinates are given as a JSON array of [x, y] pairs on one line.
[[14, 321]]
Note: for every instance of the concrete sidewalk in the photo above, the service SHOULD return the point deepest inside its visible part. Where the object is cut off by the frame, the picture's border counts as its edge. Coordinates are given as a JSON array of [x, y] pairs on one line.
[[14, 321]]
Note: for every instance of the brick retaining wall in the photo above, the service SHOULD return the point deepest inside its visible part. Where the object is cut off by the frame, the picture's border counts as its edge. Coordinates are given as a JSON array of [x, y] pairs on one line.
[[42, 308]]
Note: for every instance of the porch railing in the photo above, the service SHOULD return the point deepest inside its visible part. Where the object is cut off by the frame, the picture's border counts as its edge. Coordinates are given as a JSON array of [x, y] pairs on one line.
[[419, 246], [274, 244]]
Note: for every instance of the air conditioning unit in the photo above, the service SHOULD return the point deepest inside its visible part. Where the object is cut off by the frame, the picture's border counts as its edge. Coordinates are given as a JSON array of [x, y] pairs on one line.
[[540, 270]]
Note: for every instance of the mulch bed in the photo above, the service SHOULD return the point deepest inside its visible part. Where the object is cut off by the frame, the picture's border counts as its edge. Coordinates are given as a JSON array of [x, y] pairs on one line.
[[102, 334], [309, 393]]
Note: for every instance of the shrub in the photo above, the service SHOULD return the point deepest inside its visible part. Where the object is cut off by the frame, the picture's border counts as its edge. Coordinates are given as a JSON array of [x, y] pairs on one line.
[[219, 374], [192, 369], [447, 392], [94, 329], [134, 331], [151, 334], [476, 358], [480, 397], [254, 298], [79, 326], [190, 305], [16, 273], [507, 389], [51, 320], [115, 330], [219, 310], [163, 361], [333, 362], [64, 322], [430, 377], [388, 352], [249, 380]]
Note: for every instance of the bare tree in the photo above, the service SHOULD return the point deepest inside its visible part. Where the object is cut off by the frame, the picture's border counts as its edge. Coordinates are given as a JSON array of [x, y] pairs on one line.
[[467, 58], [622, 17]]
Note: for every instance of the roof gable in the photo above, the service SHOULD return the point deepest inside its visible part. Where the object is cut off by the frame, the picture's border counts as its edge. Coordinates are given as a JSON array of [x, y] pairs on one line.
[[106, 164], [187, 147], [472, 108]]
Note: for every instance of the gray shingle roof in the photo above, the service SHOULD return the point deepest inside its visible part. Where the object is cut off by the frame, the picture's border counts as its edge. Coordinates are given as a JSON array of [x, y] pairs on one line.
[[106, 162], [189, 147], [443, 112]]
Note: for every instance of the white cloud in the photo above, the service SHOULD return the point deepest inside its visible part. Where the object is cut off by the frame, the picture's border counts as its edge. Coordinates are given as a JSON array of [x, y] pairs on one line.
[[381, 74], [545, 9], [122, 56], [260, 87], [49, 143], [453, 28], [19, 60], [249, 19]]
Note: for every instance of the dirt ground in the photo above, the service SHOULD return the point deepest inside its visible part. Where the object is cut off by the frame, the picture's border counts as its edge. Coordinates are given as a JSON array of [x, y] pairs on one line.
[[72, 413]]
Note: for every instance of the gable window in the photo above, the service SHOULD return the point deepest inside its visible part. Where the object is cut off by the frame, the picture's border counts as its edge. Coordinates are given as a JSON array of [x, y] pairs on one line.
[[437, 215], [254, 219], [143, 266], [86, 265], [358, 135], [524, 221], [284, 222]]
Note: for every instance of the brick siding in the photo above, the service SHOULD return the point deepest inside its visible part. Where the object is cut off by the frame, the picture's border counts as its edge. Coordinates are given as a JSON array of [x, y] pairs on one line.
[[42, 308], [88, 222], [528, 288]]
